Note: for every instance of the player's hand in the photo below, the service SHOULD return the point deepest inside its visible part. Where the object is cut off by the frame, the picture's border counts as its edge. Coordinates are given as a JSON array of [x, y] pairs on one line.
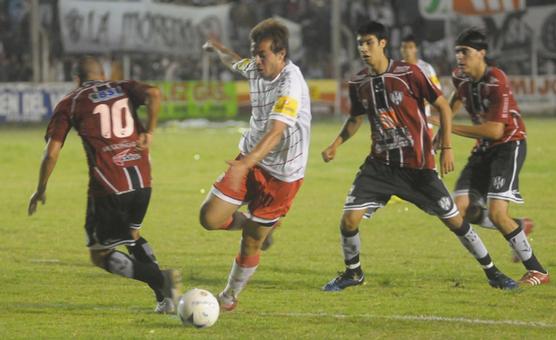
[[237, 172], [212, 44], [34, 200], [446, 161], [144, 141], [328, 154]]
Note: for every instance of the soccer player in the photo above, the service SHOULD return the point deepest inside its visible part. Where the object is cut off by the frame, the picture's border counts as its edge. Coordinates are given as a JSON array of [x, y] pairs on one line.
[[492, 170], [273, 153], [117, 147], [409, 50], [392, 94]]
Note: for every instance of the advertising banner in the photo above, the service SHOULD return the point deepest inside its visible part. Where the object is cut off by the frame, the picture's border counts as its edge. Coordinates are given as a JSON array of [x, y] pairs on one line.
[[141, 26]]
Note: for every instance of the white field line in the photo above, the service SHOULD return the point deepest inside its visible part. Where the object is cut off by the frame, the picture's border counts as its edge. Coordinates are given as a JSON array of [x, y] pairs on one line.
[[419, 318]]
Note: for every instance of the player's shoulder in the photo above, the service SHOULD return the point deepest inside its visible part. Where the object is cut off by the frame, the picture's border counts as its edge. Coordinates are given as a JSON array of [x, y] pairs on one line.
[[495, 76], [360, 76], [398, 68], [291, 70]]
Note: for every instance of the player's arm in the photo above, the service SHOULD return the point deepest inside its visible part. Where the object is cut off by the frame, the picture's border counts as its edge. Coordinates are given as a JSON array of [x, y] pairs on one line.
[[226, 55], [152, 103], [351, 125], [446, 152], [455, 106], [240, 167], [48, 164]]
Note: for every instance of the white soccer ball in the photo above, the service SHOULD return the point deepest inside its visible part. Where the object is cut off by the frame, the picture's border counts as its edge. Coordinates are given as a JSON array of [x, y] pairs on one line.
[[198, 308]]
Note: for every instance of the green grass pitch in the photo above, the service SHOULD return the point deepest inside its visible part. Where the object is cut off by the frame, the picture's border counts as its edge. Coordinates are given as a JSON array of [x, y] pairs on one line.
[[421, 283]]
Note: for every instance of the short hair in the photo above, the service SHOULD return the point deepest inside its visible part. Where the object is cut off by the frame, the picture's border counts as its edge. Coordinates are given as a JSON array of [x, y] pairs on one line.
[[274, 30], [88, 66], [474, 38], [410, 38], [373, 28]]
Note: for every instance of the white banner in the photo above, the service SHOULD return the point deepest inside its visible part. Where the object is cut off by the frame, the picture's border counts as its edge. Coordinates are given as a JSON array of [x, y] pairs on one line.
[[139, 26]]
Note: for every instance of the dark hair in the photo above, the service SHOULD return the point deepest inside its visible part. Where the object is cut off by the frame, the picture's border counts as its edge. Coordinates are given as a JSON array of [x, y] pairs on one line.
[[474, 38], [409, 38], [373, 28], [274, 30], [87, 66]]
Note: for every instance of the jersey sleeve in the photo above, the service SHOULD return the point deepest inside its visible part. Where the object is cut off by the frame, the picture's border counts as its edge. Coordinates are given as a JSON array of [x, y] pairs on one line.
[[60, 123], [424, 86], [499, 99], [433, 77], [288, 101], [244, 67], [357, 108]]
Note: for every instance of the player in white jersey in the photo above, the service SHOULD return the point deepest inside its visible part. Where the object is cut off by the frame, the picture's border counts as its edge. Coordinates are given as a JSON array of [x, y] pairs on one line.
[[409, 50], [269, 170]]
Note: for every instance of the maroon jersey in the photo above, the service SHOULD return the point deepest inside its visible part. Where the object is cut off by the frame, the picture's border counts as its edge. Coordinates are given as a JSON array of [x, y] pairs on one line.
[[395, 105], [490, 99], [104, 115]]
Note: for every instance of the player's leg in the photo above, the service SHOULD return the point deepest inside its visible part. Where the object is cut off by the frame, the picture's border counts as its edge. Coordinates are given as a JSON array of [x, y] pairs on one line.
[[475, 246], [219, 214], [219, 210], [371, 190], [514, 233], [245, 263], [426, 190], [351, 248]]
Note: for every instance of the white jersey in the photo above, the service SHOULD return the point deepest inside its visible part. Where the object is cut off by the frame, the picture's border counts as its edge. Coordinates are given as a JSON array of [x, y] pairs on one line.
[[429, 71], [285, 98]]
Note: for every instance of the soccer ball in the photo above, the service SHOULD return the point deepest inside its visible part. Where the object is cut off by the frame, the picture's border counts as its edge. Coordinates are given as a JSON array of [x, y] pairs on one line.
[[198, 308]]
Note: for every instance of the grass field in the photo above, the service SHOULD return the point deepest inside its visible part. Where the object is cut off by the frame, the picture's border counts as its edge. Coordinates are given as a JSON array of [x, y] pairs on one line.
[[421, 283]]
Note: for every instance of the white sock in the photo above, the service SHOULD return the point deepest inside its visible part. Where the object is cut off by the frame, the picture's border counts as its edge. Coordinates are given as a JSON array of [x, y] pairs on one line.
[[473, 243], [238, 279], [351, 246], [521, 246]]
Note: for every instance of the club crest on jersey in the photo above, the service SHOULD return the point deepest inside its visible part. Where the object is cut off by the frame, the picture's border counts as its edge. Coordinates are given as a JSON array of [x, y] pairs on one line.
[[445, 203], [498, 182], [396, 97], [365, 103], [125, 156]]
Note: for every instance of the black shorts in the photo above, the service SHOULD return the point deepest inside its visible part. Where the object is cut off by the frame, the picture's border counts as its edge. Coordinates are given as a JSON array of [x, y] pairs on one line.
[[110, 218], [494, 172], [376, 182]]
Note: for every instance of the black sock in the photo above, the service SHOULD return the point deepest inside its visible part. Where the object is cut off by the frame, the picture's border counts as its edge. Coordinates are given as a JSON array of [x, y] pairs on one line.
[[488, 267], [142, 252], [532, 263]]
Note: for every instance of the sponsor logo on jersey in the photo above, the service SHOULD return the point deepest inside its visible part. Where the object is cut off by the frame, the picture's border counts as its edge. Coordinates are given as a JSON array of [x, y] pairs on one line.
[[445, 203], [125, 156], [119, 146], [396, 97], [286, 106], [401, 69], [498, 182], [106, 94]]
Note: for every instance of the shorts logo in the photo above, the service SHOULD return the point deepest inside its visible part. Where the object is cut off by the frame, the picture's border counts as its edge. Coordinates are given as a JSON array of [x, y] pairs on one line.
[[498, 182], [445, 203], [350, 199], [396, 97], [365, 103], [124, 156]]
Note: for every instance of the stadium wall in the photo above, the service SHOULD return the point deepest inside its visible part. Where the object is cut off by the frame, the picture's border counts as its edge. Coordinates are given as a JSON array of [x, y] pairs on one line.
[[28, 102]]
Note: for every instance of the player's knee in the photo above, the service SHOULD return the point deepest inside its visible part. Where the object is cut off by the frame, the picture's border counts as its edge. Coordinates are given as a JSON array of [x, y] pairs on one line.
[[474, 214], [350, 222], [207, 220], [497, 216], [98, 258]]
